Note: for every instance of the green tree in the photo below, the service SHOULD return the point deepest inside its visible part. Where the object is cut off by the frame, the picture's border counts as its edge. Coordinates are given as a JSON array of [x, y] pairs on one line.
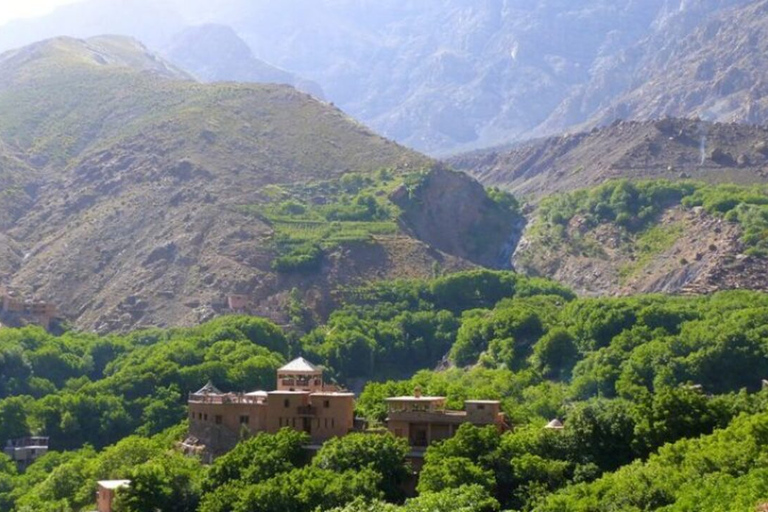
[[384, 454]]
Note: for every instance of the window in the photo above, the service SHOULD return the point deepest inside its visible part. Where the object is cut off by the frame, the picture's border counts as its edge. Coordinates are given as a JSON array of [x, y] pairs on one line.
[[294, 422], [199, 415], [245, 420], [281, 421], [205, 416], [217, 419], [286, 403], [480, 407], [333, 422], [326, 403], [326, 422]]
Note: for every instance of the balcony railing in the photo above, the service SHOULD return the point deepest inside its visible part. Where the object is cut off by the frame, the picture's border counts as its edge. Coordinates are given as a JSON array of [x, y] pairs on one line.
[[429, 417], [307, 410], [228, 398]]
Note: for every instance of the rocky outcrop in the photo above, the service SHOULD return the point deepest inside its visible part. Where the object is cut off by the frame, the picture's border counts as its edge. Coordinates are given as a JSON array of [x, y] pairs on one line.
[[453, 213]]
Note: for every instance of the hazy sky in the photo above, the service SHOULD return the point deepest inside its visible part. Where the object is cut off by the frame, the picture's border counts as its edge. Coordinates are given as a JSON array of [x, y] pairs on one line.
[[13, 9]]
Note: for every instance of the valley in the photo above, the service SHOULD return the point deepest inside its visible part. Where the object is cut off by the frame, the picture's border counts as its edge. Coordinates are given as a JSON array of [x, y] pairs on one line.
[[537, 282]]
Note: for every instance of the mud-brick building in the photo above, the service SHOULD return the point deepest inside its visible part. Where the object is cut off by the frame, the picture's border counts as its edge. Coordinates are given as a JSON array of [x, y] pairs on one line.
[[424, 419], [26, 450], [302, 401]]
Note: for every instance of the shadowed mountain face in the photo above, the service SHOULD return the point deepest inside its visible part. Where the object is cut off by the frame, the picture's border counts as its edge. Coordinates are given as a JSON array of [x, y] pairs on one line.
[[215, 53], [457, 75], [703, 59], [135, 196]]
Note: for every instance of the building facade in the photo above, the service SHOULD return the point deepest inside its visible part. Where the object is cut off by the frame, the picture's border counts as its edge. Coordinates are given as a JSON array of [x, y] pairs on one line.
[[302, 401], [424, 419], [26, 450]]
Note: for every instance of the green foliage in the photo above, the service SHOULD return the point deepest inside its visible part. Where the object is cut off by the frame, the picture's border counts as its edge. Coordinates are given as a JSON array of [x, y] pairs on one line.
[[635, 380], [319, 216], [258, 459], [632, 205], [467, 498], [721, 471], [306, 258], [635, 207], [383, 454], [308, 489], [99, 390], [169, 483]]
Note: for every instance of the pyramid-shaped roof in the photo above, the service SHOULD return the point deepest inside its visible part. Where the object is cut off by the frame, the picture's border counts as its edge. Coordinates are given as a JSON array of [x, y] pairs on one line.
[[208, 389], [300, 365], [555, 424]]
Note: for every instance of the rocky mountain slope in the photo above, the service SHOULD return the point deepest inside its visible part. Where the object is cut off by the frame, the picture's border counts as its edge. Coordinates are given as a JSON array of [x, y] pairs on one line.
[[704, 59], [147, 198], [668, 148], [688, 251], [506, 70], [578, 229]]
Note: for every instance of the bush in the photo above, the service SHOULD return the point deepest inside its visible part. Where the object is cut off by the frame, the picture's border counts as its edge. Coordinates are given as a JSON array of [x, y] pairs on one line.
[[301, 259]]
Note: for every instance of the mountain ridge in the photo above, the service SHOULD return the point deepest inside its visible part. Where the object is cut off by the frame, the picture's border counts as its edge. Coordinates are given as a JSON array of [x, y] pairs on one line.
[[141, 215]]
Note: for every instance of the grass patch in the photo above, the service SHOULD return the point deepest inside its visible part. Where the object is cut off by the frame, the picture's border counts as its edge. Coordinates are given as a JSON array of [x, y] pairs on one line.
[[649, 244], [311, 218]]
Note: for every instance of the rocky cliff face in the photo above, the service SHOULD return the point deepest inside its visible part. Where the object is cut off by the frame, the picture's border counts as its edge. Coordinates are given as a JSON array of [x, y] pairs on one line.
[[452, 213]]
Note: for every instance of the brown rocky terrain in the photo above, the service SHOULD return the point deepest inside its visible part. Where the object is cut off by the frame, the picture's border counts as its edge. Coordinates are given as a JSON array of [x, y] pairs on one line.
[[703, 254], [686, 251], [668, 148], [138, 174]]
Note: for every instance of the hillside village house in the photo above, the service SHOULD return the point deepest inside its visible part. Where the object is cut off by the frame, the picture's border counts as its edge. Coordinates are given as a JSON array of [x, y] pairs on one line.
[[304, 402], [26, 450], [26, 310]]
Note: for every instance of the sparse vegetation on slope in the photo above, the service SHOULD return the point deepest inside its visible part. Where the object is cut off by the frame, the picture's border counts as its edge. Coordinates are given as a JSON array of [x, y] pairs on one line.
[[630, 226], [146, 181]]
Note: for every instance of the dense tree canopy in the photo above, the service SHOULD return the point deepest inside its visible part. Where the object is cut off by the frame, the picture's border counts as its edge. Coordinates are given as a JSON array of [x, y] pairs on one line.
[[648, 387]]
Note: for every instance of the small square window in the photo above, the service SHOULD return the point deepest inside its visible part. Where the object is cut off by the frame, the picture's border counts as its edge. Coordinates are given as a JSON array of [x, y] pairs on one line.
[[217, 419], [326, 403], [245, 420], [480, 407]]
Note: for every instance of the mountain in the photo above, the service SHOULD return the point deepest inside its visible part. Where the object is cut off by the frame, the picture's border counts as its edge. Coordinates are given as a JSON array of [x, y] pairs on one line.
[[152, 198], [636, 207], [699, 59], [507, 70], [215, 53], [668, 148]]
